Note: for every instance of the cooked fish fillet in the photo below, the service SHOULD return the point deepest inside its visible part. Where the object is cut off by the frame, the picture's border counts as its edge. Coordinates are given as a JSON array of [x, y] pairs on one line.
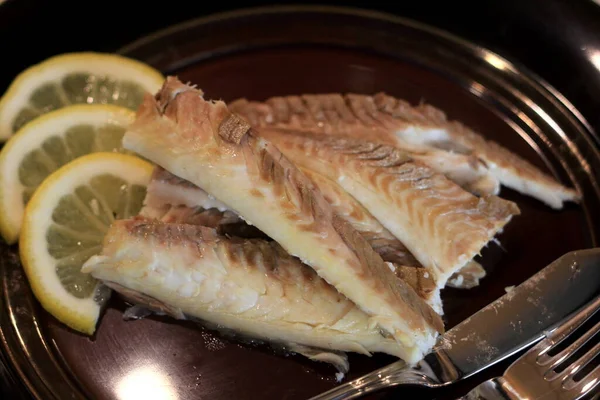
[[347, 207], [211, 218], [357, 117], [421, 126], [227, 222], [468, 277], [249, 285], [441, 224], [175, 200], [164, 202], [166, 188], [203, 143], [430, 127], [405, 265]]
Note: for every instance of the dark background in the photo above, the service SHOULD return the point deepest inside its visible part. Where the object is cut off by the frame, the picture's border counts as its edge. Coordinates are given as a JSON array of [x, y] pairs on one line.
[[554, 38]]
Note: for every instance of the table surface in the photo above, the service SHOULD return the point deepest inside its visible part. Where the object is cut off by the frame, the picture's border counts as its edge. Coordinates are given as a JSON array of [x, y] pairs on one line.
[[558, 40]]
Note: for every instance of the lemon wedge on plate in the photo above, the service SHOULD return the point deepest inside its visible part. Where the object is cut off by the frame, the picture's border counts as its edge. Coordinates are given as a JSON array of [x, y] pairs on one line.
[[46, 144], [75, 78], [64, 225]]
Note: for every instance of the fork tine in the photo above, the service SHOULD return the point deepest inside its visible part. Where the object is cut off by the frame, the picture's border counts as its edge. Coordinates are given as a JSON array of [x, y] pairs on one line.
[[587, 384], [573, 347], [580, 363], [559, 334]]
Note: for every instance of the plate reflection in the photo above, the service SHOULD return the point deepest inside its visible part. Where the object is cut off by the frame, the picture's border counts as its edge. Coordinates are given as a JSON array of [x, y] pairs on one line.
[[148, 383]]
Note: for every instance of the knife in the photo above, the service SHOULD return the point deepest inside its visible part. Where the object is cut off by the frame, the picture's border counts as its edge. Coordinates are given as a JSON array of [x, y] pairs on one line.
[[510, 324]]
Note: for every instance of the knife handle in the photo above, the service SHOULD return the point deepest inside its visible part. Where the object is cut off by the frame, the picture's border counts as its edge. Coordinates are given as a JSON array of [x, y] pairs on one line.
[[492, 389], [395, 374]]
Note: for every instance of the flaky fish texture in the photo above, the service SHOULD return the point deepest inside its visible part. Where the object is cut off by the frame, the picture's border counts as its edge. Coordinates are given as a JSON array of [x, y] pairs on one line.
[[456, 149], [347, 207], [441, 224], [392, 250], [203, 143], [251, 286], [175, 200], [164, 202], [166, 188], [355, 116]]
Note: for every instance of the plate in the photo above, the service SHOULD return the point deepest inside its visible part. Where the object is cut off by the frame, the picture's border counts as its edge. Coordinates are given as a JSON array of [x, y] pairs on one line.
[[265, 52]]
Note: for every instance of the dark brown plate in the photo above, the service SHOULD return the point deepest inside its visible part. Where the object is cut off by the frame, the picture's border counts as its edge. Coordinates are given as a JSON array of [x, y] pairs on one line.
[[279, 51]]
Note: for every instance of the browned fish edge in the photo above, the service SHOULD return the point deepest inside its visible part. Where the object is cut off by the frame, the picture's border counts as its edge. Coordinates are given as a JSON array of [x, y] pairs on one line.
[[405, 266], [362, 155], [273, 165], [317, 112]]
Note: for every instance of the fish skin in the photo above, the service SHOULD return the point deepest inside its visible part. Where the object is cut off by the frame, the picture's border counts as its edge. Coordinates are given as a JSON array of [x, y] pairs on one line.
[[248, 285], [417, 205], [423, 128], [204, 143], [357, 117]]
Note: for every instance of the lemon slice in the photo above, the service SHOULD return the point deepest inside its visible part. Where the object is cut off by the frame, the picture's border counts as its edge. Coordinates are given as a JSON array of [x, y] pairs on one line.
[[46, 144], [75, 78], [64, 225]]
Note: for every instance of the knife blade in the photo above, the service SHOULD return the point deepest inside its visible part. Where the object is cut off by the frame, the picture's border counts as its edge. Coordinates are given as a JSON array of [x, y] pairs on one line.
[[508, 325], [518, 319]]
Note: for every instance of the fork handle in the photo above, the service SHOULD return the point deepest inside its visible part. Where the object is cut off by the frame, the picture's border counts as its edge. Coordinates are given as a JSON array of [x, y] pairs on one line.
[[395, 374], [492, 389]]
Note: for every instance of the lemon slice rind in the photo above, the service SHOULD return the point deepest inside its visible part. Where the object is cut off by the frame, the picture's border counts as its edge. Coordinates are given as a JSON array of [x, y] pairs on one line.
[[29, 138], [39, 265], [56, 68]]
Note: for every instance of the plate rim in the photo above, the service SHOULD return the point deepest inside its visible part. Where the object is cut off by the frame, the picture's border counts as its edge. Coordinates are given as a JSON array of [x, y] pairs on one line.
[[514, 66], [521, 71]]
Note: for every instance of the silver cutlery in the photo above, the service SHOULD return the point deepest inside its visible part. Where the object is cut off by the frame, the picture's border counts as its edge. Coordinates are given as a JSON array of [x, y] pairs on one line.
[[536, 374], [512, 323]]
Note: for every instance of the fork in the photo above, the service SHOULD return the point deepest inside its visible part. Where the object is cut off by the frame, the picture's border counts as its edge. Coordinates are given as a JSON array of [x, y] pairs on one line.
[[534, 377]]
